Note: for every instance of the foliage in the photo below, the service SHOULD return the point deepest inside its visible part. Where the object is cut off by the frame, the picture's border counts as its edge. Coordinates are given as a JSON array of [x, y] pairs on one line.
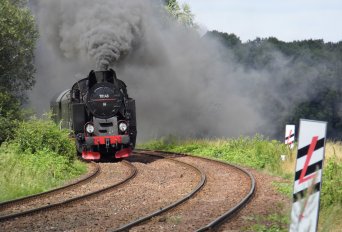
[[26, 174], [310, 70], [9, 115], [41, 156], [17, 40], [330, 219], [182, 14], [38, 135], [332, 183], [271, 223], [228, 40], [255, 152], [284, 187], [18, 36]]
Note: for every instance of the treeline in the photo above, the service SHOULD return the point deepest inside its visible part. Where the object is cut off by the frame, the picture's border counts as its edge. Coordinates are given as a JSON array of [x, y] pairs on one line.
[[306, 77]]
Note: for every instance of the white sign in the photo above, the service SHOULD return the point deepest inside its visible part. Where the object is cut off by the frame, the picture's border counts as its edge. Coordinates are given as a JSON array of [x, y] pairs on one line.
[[308, 176], [290, 135]]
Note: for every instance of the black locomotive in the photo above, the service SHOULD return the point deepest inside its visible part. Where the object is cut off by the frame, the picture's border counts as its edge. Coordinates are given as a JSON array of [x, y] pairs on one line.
[[100, 113]]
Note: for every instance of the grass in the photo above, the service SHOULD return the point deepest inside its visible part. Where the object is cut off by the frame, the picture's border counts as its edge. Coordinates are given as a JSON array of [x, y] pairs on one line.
[[40, 158], [28, 174], [283, 187], [270, 223], [265, 155], [174, 220], [253, 152]]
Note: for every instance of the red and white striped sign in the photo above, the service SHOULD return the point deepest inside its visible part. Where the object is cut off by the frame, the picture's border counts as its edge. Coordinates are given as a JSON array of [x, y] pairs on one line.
[[308, 175], [290, 135]]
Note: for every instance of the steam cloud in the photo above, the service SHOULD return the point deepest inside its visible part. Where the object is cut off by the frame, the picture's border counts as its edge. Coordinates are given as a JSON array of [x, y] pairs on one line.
[[180, 82]]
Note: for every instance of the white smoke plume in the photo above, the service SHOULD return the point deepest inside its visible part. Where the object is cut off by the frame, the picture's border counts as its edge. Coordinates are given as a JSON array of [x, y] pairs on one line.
[[180, 82]]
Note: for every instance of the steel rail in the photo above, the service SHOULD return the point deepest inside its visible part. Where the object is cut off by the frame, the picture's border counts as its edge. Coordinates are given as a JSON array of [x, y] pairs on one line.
[[85, 179], [234, 210], [230, 212], [171, 206], [66, 202]]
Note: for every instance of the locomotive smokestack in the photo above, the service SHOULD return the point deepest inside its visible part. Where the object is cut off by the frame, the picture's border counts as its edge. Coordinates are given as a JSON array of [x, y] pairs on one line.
[[101, 76], [104, 67]]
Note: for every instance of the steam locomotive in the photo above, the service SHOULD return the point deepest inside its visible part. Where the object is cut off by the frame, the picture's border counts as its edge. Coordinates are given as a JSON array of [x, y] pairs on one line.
[[100, 113]]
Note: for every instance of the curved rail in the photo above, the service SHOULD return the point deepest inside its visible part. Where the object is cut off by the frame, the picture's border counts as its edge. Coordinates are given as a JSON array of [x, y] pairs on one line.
[[85, 179], [63, 203], [173, 205], [232, 211]]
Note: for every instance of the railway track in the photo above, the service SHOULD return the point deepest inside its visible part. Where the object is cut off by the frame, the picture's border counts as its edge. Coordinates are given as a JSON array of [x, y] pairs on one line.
[[174, 204], [114, 210], [115, 200], [4, 216], [216, 222]]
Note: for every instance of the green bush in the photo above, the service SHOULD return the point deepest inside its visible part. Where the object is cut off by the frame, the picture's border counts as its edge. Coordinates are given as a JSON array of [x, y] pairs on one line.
[[33, 173], [332, 183], [40, 157], [37, 135]]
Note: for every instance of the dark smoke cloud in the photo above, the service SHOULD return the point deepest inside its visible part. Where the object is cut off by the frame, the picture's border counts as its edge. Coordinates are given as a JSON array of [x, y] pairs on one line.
[[181, 84], [101, 31]]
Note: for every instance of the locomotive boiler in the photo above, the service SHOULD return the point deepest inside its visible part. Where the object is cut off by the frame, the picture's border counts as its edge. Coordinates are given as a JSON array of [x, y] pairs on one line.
[[101, 115]]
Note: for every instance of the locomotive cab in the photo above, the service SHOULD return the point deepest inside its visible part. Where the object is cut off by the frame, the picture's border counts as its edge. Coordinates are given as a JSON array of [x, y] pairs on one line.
[[102, 116]]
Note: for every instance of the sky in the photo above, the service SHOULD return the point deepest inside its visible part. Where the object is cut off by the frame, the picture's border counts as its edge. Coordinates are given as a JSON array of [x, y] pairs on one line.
[[287, 20]]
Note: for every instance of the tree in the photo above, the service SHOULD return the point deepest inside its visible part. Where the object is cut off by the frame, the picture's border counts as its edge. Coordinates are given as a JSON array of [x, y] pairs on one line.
[[228, 40], [182, 14], [9, 115], [18, 35]]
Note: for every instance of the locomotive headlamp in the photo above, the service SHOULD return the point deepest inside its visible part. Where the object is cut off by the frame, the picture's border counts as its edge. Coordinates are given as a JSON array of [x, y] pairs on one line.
[[123, 126], [90, 128]]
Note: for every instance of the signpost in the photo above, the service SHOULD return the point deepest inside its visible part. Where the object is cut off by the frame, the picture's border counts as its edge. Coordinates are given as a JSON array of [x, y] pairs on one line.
[[308, 176], [290, 135]]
